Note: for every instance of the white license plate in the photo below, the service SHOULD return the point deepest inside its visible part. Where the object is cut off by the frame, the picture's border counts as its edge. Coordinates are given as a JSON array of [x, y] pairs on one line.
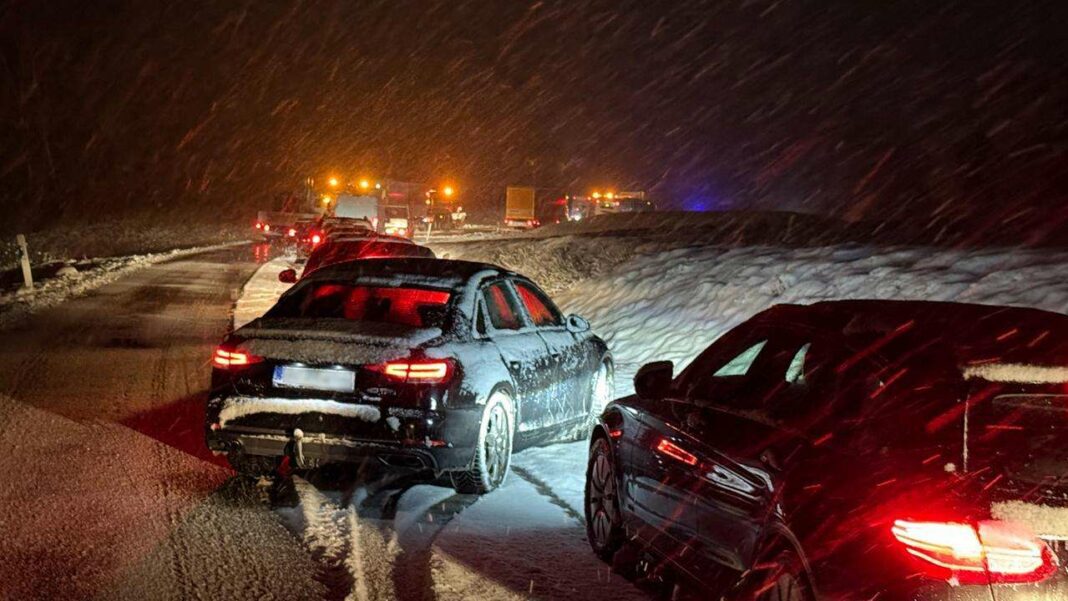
[[337, 380]]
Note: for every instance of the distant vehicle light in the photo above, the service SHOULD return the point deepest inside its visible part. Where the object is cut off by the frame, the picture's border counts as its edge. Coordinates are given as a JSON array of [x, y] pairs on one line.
[[259, 225], [266, 227], [316, 238], [596, 195], [292, 232], [609, 196]]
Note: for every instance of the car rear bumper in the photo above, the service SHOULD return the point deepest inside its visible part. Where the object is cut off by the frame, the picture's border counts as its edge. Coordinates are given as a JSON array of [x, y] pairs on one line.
[[402, 438], [1053, 588], [317, 449]]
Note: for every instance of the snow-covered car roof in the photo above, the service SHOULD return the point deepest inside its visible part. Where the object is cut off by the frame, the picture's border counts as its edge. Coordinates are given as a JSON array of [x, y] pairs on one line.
[[439, 273]]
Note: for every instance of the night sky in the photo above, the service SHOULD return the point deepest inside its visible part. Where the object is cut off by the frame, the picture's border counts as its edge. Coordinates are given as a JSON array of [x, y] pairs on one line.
[[926, 112]]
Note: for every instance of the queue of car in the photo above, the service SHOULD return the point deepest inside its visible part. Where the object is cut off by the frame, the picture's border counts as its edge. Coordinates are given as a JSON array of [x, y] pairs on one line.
[[889, 450]]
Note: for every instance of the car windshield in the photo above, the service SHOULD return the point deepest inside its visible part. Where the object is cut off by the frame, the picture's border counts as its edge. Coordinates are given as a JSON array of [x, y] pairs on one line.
[[407, 306]]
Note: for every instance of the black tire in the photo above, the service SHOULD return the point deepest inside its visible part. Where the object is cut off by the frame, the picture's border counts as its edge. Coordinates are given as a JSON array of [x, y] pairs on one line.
[[783, 580], [253, 466], [604, 522], [493, 452]]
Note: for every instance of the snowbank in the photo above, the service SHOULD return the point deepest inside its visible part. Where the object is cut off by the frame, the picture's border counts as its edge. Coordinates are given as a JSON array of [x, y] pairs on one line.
[[672, 304], [262, 290]]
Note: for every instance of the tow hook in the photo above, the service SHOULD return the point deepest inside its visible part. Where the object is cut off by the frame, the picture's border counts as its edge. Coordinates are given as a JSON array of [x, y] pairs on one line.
[[298, 447]]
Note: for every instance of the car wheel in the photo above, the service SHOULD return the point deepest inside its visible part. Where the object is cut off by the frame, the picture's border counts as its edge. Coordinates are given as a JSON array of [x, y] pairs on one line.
[[604, 523], [784, 580], [493, 453], [600, 395]]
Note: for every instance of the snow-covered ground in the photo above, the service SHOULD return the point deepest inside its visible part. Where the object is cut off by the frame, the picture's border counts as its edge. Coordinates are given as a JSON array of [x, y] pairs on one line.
[[53, 291]]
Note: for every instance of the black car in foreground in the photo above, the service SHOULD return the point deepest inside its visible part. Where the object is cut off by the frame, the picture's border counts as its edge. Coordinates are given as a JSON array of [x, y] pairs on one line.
[[849, 450], [420, 364]]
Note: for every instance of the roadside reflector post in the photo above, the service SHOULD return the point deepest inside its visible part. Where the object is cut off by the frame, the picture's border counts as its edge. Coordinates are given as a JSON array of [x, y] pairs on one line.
[[24, 258]]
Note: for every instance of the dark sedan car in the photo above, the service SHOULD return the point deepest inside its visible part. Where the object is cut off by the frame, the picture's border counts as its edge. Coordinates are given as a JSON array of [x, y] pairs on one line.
[[421, 364], [848, 450]]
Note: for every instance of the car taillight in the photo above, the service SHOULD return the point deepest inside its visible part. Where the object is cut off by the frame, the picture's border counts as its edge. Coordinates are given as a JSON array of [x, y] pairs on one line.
[[259, 225], [316, 238], [227, 359], [433, 371], [676, 452], [292, 232], [266, 227], [987, 552]]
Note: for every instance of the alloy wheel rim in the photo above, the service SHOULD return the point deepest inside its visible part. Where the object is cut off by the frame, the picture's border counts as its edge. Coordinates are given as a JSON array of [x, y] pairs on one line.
[[602, 499], [495, 445]]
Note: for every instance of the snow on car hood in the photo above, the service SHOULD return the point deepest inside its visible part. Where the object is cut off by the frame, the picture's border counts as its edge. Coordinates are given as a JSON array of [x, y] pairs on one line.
[[331, 340]]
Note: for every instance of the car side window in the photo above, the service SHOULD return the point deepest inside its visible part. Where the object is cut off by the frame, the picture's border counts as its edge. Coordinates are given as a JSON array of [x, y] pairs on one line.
[[740, 364], [501, 306], [542, 310], [727, 377], [795, 371]]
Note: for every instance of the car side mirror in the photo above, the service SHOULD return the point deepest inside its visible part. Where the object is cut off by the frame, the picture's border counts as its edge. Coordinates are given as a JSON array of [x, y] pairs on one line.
[[653, 380], [577, 325], [288, 276]]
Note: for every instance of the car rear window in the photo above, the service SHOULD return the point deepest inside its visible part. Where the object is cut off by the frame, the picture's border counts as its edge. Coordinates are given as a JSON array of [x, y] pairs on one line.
[[415, 307]]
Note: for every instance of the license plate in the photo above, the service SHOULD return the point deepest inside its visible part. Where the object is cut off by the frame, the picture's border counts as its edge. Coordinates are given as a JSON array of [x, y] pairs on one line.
[[337, 380]]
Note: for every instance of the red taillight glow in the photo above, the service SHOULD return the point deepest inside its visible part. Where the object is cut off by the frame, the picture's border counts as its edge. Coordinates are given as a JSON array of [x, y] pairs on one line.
[[259, 225], [316, 238], [426, 372], [225, 359], [676, 452], [292, 232], [992, 551], [266, 227]]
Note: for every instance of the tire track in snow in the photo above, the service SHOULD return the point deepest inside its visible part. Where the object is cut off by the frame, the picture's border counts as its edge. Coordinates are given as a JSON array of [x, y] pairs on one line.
[[367, 548], [542, 488]]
